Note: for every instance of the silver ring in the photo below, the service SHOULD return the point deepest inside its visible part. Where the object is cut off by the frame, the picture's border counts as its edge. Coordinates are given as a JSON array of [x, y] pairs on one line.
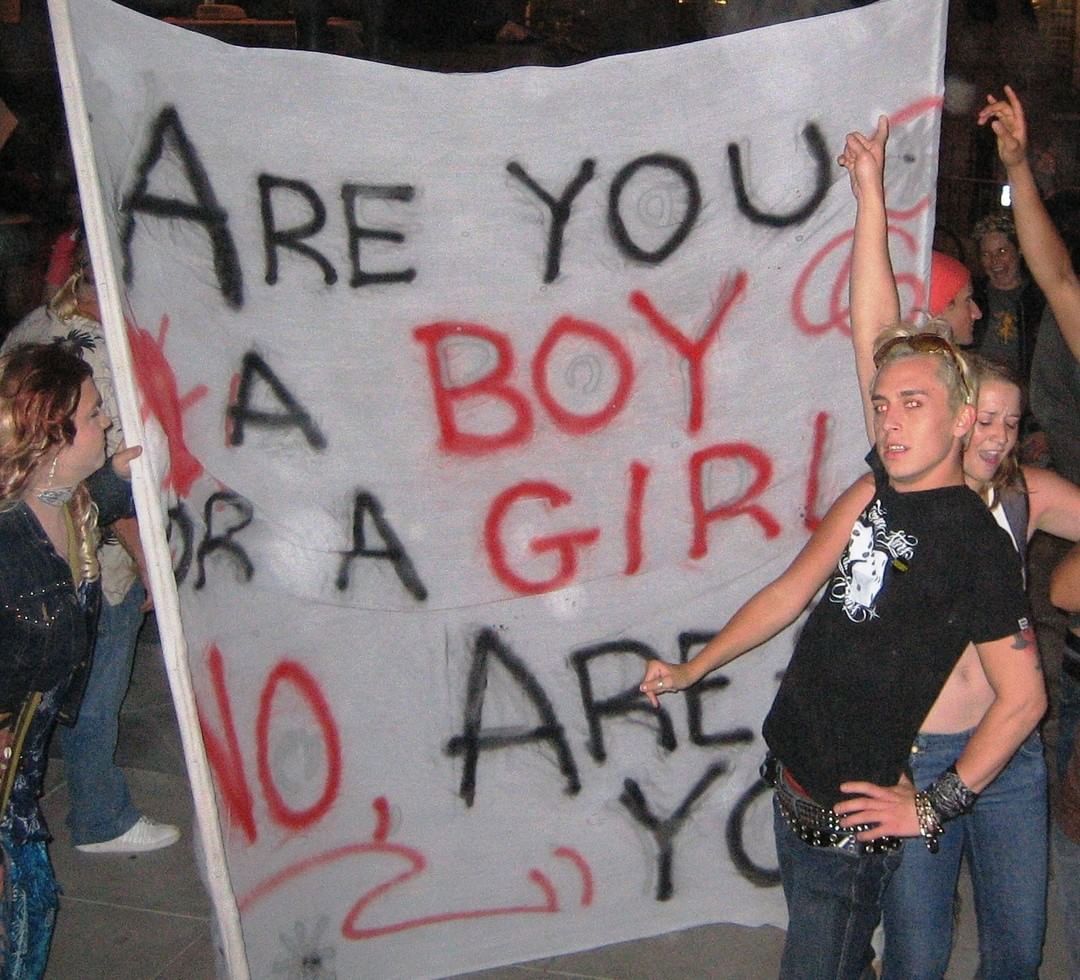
[[660, 683]]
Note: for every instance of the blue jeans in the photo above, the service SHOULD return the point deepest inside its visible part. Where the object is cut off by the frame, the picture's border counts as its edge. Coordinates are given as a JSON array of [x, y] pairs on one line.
[[1005, 842], [101, 806], [834, 903]]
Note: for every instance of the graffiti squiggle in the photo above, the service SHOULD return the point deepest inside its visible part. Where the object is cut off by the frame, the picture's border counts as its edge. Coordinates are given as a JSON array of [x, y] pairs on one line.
[[416, 864]]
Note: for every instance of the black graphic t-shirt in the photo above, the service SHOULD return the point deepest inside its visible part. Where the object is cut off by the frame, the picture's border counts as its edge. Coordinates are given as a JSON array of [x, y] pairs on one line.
[[924, 574]]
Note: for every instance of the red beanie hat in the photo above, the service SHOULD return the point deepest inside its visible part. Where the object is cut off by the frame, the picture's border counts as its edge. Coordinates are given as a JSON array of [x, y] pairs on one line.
[[947, 277]]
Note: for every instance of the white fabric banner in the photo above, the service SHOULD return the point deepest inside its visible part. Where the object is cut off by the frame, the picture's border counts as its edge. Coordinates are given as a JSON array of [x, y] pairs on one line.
[[465, 394]]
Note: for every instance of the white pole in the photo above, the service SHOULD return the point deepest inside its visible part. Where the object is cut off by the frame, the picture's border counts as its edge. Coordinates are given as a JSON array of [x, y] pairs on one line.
[[147, 501]]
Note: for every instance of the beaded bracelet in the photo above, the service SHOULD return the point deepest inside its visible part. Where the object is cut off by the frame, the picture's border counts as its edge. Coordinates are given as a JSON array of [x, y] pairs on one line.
[[929, 824]]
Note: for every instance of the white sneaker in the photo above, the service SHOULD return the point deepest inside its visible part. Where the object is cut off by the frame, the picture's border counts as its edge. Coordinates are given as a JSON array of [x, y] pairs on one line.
[[143, 835]]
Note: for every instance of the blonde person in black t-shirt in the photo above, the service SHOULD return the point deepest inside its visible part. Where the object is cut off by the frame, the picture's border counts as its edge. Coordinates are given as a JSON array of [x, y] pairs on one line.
[[1005, 835], [901, 555]]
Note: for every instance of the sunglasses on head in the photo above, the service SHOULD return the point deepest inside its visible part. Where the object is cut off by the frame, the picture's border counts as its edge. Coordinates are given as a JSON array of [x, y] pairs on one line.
[[925, 343]]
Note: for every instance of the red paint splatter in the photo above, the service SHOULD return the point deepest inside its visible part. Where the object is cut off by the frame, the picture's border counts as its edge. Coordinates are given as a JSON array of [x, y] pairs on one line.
[[350, 929], [162, 399], [416, 864], [381, 806], [583, 869]]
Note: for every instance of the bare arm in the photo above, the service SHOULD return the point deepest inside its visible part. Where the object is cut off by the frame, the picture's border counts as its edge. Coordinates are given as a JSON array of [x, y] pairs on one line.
[[872, 290], [1012, 666], [1042, 245], [775, 606], [1014, 670], [1065, 582], [1054, 504]]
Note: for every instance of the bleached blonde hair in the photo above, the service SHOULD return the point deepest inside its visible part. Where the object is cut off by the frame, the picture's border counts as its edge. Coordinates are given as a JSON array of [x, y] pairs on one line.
[[903, 340]]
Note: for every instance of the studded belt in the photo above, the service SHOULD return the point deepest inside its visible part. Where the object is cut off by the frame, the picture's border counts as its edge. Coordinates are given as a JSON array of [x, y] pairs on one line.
[[816, 825]]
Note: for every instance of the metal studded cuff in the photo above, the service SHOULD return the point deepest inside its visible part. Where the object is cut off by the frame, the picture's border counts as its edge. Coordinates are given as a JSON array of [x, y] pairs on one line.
[[929, 825], [950, 796]]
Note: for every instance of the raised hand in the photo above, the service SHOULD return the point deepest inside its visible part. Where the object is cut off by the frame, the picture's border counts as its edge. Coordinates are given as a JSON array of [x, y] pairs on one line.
[[864, 157], [1006, 119]]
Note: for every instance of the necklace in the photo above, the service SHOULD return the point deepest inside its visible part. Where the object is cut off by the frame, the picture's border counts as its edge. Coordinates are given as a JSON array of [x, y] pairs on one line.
[[54, 496]]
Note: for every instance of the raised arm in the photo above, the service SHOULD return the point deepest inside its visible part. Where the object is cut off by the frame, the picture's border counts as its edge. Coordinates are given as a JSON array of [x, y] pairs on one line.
[[1042, 245], [776, 606], [872, 293]]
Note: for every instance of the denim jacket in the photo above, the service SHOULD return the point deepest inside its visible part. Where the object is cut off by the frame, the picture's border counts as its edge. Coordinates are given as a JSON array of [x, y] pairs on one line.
[[47, 624]]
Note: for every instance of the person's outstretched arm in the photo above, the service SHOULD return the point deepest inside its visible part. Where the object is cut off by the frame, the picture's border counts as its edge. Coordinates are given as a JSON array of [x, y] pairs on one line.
[[1042, 245], [776, 606], [872, 291]]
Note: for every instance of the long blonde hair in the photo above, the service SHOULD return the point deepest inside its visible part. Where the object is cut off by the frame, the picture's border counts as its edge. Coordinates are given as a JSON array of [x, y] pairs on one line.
[[40, 386]]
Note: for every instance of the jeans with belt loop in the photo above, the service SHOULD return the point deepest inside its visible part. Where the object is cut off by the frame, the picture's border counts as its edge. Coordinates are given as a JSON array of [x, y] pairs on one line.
[[1004, 839], [833, 897]]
